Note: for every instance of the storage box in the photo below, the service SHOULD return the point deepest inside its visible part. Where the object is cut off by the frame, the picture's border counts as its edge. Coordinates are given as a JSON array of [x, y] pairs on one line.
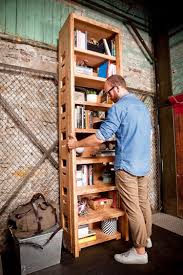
[[100, 203], [109, 226], [33, 258]]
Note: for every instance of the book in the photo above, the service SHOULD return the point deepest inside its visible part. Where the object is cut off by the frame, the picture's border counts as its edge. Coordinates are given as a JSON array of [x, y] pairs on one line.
[[103, 69], [106, 46], [83, 230], [85, 234], [79, 96], [87, 239], [80, 39], [83, 70]]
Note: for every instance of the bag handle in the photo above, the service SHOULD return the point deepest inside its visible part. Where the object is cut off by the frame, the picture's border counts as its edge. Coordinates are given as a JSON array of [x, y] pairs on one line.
[[35, 209]]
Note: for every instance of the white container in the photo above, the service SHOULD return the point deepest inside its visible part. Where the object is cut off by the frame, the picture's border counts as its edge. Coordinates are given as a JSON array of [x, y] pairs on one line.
[[91, 98], [109, 226], [33, 259]]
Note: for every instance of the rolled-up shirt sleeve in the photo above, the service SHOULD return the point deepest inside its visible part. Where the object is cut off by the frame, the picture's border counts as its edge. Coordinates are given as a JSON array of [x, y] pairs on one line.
[[111, 124]]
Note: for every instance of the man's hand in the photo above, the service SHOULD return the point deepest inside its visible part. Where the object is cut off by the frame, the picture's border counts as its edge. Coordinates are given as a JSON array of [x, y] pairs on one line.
[[72, 142]]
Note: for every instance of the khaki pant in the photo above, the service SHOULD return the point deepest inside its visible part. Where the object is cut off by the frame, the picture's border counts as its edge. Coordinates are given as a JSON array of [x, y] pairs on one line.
[[134, 195]]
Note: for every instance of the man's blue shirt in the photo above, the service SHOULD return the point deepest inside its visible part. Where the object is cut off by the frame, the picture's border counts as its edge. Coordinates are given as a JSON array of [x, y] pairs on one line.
[[129, 119]]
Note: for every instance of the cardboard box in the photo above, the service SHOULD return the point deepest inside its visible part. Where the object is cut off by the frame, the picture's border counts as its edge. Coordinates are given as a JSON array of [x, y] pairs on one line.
[[33, 258]]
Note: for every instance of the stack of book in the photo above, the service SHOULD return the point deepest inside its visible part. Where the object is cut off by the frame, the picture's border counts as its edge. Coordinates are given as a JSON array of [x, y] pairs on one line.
[[84, 175], [83, 70], [80, 39], [85, 119], [106, 69], [85, 234]]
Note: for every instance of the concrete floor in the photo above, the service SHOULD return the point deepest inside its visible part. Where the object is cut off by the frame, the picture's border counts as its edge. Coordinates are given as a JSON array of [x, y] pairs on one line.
[[165, 257]]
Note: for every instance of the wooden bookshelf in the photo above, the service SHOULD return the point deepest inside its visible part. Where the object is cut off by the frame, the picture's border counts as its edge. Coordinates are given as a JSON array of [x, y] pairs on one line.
[[69, 54]]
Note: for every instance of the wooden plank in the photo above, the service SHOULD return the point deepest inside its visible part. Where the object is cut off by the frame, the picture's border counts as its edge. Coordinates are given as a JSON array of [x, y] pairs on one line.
[[80, 160], [96, 25], [100, 238], [94, 59], [63, 121], [100, 215], [97, 31], [89, 81], [2, 16], [72, 155], [123, 226], [95, 189], [11, 22], [85, 131], [94, 106]]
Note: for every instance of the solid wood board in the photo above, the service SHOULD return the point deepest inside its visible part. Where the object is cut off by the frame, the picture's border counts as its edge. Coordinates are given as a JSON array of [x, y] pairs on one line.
[[100, 215], [84, 190], [101, 237], [89, 81], [94, 58]]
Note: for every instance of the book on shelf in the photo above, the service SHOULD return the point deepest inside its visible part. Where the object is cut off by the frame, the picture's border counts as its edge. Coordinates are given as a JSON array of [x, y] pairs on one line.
[[83, 70], [79, 96], [83, 230], [84, 175], [87, 239], [80, 39], [90, 174], [106, 46], [106, 69], [86, 119], [103, 69], [111, 44]]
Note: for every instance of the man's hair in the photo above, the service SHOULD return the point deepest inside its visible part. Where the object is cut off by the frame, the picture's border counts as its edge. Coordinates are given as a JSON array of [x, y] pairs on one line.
[[116, 80]]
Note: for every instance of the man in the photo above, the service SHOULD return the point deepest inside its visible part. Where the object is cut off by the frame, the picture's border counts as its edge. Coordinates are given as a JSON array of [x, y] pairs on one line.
[[129, 120]]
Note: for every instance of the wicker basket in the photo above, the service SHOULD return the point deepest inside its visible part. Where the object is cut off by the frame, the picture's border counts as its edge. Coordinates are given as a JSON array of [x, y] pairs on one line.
[[100, 203]]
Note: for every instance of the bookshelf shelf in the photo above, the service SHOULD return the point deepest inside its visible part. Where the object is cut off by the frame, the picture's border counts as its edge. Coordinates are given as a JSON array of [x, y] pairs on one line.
[[94, 160], [94, 106], [101, 237], [85, 171], [94, 58], [85, 131], [103, 187], [100, 215], [89, 81]]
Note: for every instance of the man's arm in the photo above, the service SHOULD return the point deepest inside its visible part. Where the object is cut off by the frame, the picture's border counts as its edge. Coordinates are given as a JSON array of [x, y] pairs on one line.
[[91, 140]]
